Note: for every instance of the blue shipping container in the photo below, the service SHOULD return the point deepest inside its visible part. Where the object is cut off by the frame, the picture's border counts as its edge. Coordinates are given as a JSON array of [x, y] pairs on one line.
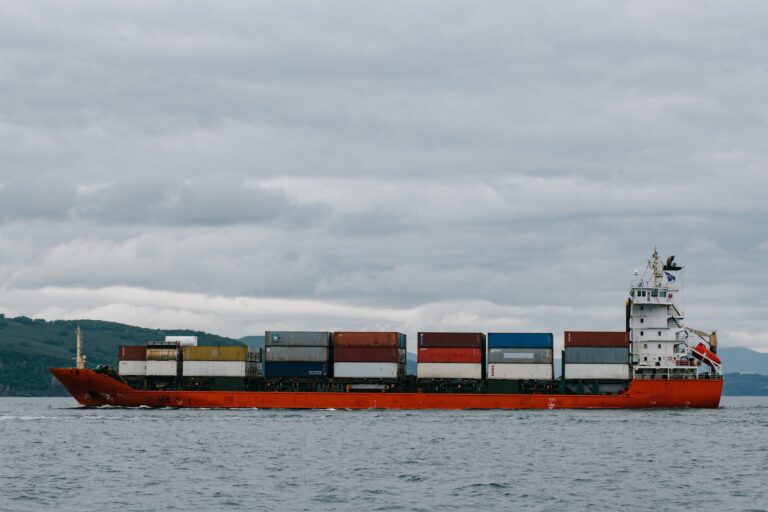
[[401, 339], [520, 340], [282, 369]]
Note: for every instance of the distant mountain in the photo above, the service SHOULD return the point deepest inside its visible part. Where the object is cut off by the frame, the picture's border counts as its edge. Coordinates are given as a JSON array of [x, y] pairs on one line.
[[252, 341], [743, 360], [28, 347]]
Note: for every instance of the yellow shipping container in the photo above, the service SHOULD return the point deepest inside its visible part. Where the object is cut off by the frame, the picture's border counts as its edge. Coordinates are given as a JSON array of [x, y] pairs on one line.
[[215, 353], [161, 354]]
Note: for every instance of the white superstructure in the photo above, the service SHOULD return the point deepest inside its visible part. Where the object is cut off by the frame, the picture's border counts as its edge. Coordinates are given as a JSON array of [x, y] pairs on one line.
[[662, 347]]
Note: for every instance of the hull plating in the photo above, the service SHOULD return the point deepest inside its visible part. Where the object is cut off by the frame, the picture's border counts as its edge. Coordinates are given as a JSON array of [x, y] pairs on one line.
[[94, 389]]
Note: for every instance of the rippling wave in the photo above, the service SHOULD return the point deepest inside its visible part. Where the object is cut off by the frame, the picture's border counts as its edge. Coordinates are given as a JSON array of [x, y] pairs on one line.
[[57, 457]]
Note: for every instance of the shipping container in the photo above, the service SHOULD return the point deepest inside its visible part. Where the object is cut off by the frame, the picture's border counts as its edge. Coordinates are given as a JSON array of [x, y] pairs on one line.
[[296, 370], [450, 355], [452, 339], [369, 339], [210, 353], [449, 370], [520, 355], [597, 355], [162, 354], [220, 369], [596, 371], [132, 367], [520, 340], [183, 341], [298, 354], [254, 354], [132, 353], [297, 338], [368, 370], [368, 355], [161, 368], [520, 371], [596, 339]]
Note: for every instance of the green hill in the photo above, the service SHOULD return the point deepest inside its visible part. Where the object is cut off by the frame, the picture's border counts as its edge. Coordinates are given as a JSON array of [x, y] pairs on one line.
[[29, 346]]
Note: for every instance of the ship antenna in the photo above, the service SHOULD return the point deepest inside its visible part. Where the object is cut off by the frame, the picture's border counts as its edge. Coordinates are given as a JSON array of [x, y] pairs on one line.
[[80, 358], [655, 268]]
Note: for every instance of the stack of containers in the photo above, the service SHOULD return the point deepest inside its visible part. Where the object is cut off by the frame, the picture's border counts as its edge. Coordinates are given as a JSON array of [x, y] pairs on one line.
[[296, 353], [132, 360], [183, 341], [520, 356], [237, 361], [450, 355], [162, 359], [596, 355], [368, 355]]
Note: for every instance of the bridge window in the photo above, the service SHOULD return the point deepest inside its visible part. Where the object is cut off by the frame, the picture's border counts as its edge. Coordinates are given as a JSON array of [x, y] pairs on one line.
[[663, 293], [654, 293], [642, 320]]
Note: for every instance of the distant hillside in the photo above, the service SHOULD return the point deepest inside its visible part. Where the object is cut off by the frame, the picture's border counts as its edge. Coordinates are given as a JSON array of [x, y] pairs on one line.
[[253, 341], [743, 360], [29, 346]]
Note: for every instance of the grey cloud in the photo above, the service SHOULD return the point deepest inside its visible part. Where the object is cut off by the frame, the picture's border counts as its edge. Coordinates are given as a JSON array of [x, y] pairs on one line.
[[392, 155], [216, 200]]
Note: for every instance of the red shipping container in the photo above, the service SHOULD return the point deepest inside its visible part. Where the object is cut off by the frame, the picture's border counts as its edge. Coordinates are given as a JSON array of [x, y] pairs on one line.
[[596, 339], [452, 339], [368, 355], [450, 355], [365, 339], [132, 353]]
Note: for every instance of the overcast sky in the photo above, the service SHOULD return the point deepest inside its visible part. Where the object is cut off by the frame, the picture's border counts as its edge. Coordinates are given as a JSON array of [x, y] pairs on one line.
[[241, 166]]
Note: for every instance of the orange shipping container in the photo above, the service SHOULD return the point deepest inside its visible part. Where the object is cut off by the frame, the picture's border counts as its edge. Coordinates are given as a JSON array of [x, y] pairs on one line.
[[596, 339], [366, 339], [450, 355]]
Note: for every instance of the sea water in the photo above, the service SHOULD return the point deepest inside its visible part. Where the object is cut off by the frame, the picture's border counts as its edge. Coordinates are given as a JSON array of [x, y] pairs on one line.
[[55, 455]]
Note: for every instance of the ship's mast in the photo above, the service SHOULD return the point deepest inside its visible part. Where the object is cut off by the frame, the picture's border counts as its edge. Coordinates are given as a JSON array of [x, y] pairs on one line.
[[80, 358], [655, 268]]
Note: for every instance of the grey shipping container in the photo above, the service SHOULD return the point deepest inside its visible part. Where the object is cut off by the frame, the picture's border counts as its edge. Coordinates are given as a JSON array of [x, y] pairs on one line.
[[519, 355], [297, 338], [596, 355], [304, 354]]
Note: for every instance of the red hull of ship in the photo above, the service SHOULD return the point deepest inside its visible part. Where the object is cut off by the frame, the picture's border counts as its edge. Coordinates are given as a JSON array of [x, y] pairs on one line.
[[95, 389]]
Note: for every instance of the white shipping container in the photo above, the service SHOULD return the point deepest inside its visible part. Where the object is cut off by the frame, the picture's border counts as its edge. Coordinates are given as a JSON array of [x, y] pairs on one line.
[[132, 368], [366, 370], [161, 368], [596, 371], [220, 369], [183, 341], [449, 371], [519, 371]]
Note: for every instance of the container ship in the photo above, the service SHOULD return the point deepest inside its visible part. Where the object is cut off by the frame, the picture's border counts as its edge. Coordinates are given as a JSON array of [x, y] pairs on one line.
[[656, 361]]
